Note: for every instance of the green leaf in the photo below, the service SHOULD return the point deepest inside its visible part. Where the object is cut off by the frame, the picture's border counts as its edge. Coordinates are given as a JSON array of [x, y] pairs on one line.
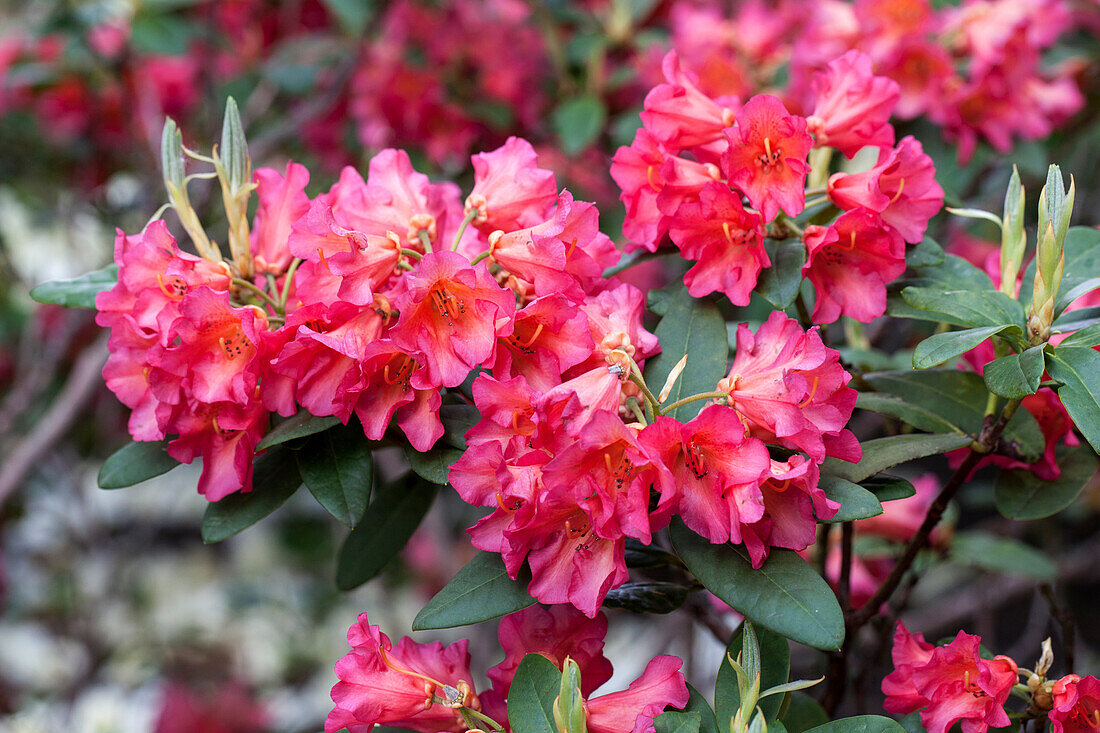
[[352, 15], [928, 253], [950, 273], [937, 349], [779, 283], [696, 328], [480, 591], [274, 480], [1001, 555], [888, 488], [966, 308], [698, 704], [79, 292], [390, 520], [649, 596], [1066, 296], [135, 462], [918, 416], [859, 724], [785, 595], [337, 469], [803, 712], [775, 665], [297, 426], [1088, 337], [975, 214], [883, 453], [677, 722], [166, 34], [855, 501], [1022, 495], [1082, 250], [457, 421], [578, 122], [1078, 369], [1017, 375], [434, 465], [1076, 319], [532, 694], [959, 397]]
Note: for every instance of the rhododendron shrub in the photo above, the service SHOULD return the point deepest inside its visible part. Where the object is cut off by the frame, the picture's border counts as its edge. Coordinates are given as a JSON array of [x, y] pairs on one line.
[[723, 425]]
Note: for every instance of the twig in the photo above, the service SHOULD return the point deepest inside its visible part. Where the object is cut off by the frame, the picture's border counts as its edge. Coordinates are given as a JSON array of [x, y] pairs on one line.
[[1064, 617]]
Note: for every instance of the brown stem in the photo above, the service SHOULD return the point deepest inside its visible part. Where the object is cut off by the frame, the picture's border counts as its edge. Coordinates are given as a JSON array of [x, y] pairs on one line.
[[1064, 617]]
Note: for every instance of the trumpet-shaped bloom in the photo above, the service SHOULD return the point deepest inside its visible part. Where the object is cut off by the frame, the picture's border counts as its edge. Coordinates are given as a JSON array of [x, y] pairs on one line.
[[767, 156], [679, 114], [282, 201], [510, 190], [1076, 705], [853, 106], [633, 709], [951, 683]]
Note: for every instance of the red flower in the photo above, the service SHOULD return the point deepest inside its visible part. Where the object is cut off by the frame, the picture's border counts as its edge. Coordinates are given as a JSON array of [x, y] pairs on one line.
[[789, 388], [853, 106], [282, 201], [726, 241], [224, 435], [550, 336], [392, 385], [396, 685], [716, 470], [1076, 705], [679, 114], [767, 156], [901, 187], [510, 191], [661, 685], [452, 313], [951, 683], [849, 265]]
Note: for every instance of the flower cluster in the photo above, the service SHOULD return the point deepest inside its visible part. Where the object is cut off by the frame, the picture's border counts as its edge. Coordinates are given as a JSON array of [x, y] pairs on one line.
[[369, 299], [572, 469], [714, 174], [428, 687], [976, 70], [954, 682]]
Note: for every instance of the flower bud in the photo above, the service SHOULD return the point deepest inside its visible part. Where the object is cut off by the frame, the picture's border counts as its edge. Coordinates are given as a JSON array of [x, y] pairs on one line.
[[1055, 209], [569, 712], [1046, 659], [233, 151], [1013, 237], [171, 157]]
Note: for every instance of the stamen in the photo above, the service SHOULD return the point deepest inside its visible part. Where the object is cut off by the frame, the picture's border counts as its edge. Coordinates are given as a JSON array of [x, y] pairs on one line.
[[782, 486], [505, 508], [386, 661], [966, 678], [901, 187], [527, 344], [1094, 719], [655, 185], [726, 229], [572, 247], [813, 391], [768, 147], [321, 254], [173, 294]]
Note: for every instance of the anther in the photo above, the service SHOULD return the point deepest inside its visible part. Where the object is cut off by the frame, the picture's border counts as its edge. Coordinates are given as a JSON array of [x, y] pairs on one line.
[[813, 391]]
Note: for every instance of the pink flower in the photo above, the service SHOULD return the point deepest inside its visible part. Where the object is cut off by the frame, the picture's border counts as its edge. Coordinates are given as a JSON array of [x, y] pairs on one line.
[[549, 336], [510, 191], [767, 156], [282, 201], [1076, 705], [661, 685], [452, 313], [853, 106], [726, 241], [850, 264], [789, 388], [951, 683], [395, 685], [222, 708], [716, 470], [224, 435], [391, 386], [679, 114], [792, 503], [901, 187]]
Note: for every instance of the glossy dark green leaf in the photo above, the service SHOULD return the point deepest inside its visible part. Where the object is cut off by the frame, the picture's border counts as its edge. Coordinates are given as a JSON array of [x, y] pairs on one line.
[[1078, 369], [1001, 555], [803, 713], [457, 420], [698, 704], [135, 462], [1077, 319], [392, 517], [941, 347], [480, 591], [1017, 375], [927, 253], [337, 468], [696, 328], [647, 596], [532, 694], [434, 465], [297, 426], [578, 122], [855, 501], [1020, 494], [888, 488], [785, 595], [966, 308], [883, 453], [79, 292], [779, 283], [275, 478], [674, 721], [959, 397], [1066, 295], [775, 665], [638, 555], [859, 724], [1088, 336], [918, 416]]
